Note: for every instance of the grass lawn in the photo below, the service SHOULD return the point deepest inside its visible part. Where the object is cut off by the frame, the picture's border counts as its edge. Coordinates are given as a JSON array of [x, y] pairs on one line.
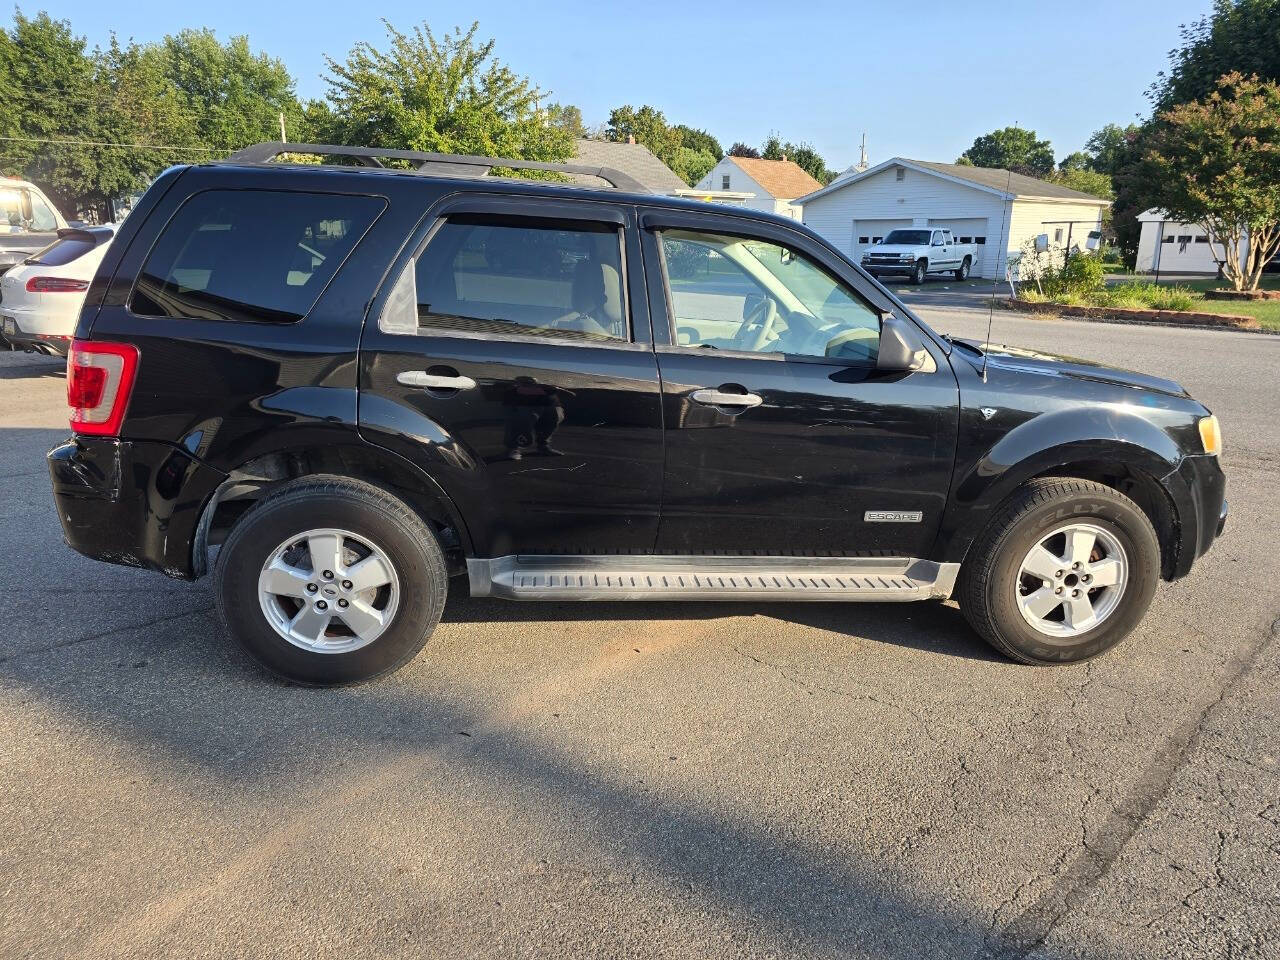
[[1266, 312]]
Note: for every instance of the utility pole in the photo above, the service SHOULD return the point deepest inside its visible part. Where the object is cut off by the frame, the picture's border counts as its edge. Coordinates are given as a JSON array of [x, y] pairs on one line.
[[283, 138]]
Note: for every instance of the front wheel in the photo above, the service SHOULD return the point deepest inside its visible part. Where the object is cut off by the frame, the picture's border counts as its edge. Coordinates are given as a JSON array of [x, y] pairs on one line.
[[918, 274], [963, 272], [329, 581], [1065, 570]]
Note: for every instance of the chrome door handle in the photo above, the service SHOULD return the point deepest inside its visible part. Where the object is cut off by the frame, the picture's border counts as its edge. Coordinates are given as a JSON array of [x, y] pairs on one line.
[[718, 398], [434, 381]]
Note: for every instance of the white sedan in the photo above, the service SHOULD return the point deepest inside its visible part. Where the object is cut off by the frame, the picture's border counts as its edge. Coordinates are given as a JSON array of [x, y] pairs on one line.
[[40, 298]]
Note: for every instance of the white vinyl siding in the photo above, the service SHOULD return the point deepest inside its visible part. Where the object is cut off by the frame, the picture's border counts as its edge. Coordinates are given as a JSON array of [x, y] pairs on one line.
[[925, 199], [1166, 250], [867, 232], [741, 182], [918, 199], [975, 230]]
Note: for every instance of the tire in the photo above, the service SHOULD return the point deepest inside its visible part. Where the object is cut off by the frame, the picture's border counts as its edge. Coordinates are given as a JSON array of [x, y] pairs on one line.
[[963, 272], [994, 583], [919, 273], [354, 516]]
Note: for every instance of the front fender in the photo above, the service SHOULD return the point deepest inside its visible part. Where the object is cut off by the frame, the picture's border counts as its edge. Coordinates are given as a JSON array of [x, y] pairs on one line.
[[1042, 444]]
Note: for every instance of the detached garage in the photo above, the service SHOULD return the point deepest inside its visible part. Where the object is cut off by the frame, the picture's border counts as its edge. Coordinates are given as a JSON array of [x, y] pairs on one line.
[[991, 208]]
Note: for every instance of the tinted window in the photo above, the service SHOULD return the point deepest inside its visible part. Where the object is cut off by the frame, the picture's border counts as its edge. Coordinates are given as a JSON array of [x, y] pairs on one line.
[[728, 293], [61, 252], [253, 255], [547, 279], [908, 237]]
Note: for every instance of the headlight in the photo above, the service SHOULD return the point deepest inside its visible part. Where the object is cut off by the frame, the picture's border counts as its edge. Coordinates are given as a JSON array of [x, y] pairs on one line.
[[1210, 435], [906, 256]]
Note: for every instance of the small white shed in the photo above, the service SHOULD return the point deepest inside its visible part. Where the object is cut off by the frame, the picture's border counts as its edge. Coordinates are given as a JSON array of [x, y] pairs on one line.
[[995, 209], [1166, 246]]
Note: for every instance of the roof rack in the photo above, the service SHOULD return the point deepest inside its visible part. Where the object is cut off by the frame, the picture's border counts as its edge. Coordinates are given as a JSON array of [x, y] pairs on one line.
[[438, 164]]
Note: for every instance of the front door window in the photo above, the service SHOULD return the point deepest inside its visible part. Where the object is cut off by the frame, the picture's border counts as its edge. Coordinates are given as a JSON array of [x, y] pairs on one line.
[[757, 296]]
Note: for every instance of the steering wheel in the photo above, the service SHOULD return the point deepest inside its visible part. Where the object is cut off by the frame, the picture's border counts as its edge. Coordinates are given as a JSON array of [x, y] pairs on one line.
[[766, 314]]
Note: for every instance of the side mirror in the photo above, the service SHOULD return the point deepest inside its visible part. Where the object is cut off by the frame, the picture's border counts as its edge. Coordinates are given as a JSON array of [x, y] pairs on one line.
[[900, 347]]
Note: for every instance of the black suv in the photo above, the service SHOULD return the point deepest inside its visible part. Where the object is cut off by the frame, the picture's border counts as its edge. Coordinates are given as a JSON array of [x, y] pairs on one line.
[[361, 381]]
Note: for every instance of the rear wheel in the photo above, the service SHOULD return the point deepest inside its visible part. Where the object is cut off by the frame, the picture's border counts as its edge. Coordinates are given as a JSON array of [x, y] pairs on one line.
[[330, 581], [918, 274], [963, 272], [1065, 570]]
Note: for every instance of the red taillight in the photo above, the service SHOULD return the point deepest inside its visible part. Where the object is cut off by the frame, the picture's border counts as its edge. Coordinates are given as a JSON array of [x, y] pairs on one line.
[[99, 381], [56, 285]]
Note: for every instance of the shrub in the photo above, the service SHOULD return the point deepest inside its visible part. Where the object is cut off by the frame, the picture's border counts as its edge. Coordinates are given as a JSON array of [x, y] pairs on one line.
[[1081, 275]]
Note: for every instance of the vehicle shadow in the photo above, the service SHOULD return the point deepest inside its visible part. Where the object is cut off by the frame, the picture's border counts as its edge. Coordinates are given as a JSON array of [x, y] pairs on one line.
[[928, 626], [251, 734], [23, 366], [120, 656]]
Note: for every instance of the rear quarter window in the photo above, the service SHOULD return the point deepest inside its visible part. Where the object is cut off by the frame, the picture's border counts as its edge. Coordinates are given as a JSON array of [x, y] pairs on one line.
[[61, 252], [250, 255]]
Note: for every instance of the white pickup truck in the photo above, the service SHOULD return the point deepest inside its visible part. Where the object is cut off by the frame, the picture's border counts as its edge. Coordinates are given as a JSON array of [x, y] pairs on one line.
[[918, 252]]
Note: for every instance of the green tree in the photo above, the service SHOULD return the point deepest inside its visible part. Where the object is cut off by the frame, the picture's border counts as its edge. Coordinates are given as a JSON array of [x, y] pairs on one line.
[[48, 93], [566, 117], [691, 165], [802, 154], [1011, 149], [699, 140], [1239, 35], [233, 95], [1086, 181], [1075, 161], [1108, 149], [1216, 162], [647, 125], [689, 153], [442, 94]]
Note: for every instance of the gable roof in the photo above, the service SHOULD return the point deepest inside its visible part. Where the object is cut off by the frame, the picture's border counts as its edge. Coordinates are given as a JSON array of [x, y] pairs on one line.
[[633, 159], [783, 179], [1012, 186]]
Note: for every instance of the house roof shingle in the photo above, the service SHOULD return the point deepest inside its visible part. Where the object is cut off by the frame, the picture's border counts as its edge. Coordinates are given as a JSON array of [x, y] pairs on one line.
[[784, 179], [633, 159], [994, 179], [998, 179]]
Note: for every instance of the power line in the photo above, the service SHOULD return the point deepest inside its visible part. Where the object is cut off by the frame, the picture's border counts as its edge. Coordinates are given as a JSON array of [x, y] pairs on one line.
[[130, 146]]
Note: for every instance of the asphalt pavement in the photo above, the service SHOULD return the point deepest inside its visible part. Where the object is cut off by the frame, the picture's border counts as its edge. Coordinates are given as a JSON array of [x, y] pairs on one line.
[[650, 780]]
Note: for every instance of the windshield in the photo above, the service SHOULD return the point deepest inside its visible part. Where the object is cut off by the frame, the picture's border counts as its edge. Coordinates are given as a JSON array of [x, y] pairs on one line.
[[909, 237]]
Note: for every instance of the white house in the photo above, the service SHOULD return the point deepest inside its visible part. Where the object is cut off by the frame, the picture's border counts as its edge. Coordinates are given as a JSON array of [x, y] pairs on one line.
[[768, 185], [1169, 247], [995, 209]]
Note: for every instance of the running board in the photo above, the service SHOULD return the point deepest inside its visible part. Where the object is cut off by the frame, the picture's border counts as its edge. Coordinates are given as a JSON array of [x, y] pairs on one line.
[[845, 579]]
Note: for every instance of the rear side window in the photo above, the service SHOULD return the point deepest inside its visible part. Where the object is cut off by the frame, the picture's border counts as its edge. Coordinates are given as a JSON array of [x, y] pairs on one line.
[[250, 255], [550, 279], [61, 252]]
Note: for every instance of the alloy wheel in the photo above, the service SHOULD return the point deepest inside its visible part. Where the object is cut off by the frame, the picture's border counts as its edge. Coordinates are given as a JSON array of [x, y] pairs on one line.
[[329, 591], [1072, 580]]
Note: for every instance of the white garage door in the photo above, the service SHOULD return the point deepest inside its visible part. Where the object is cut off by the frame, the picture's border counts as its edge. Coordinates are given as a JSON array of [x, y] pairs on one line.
[[968, 230], [867, 232]]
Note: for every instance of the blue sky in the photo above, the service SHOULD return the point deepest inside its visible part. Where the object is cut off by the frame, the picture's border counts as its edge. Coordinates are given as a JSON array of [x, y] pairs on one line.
[[921, 79]]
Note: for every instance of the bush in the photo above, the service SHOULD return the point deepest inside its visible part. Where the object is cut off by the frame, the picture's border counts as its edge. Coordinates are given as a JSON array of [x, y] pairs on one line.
[[1081, 276]]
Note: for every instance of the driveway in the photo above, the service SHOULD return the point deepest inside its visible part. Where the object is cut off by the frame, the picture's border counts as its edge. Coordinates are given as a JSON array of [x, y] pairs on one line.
[[650, 780]]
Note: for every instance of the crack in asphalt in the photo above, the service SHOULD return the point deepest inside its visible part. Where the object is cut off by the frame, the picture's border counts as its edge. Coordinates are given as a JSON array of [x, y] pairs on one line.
[[1026, 932], [101, 635], [788, 674]]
